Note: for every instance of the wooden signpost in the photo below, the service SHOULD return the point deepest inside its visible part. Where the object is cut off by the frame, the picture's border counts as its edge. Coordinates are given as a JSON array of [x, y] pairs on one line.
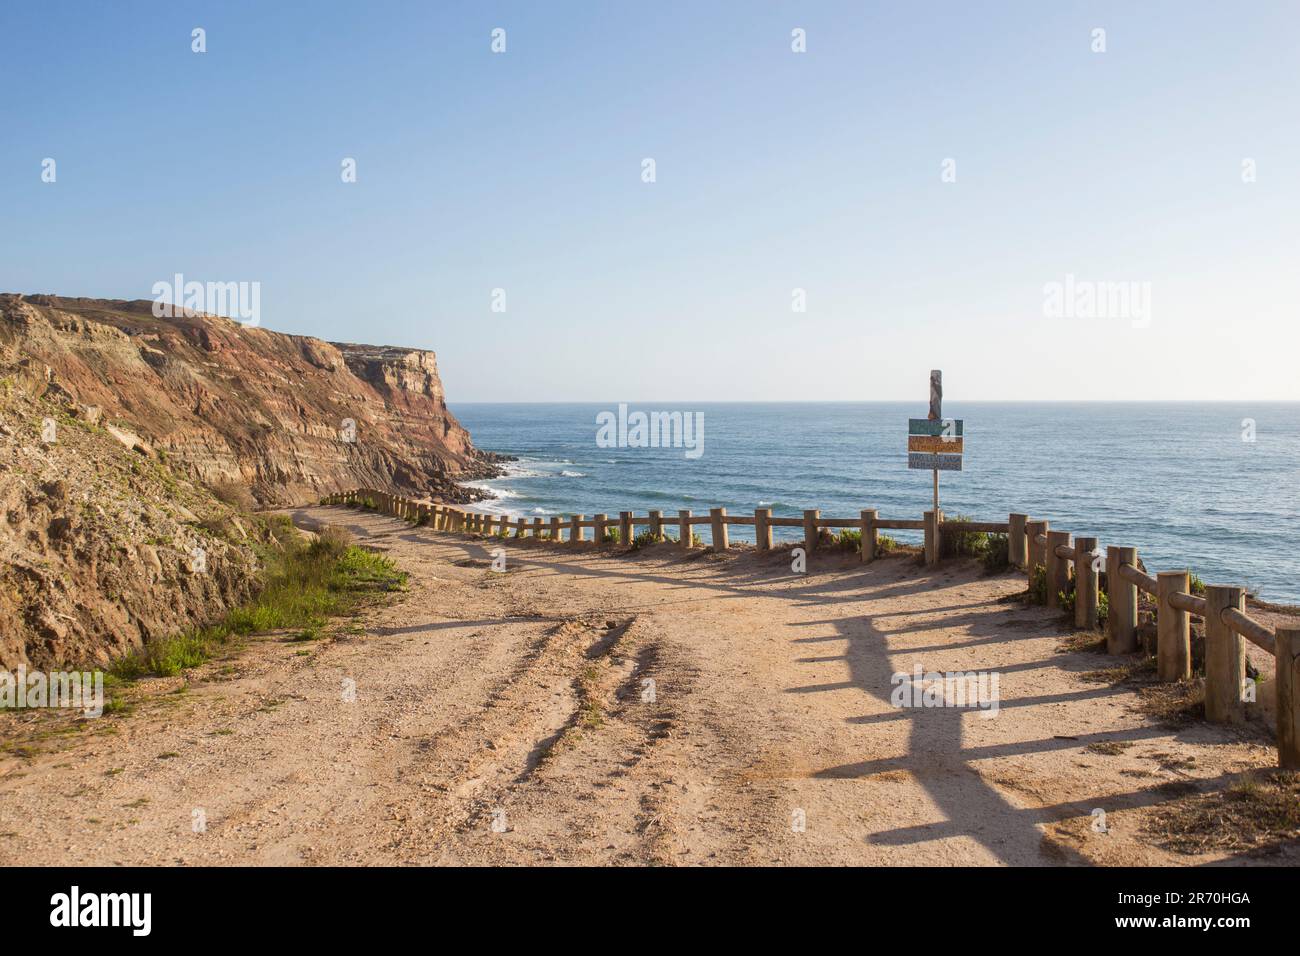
[[938, 444]]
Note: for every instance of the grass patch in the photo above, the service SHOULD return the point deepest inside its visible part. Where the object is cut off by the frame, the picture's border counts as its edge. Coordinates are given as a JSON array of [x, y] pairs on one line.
[[1174, 704], [591, 713], [1258, 811], [646, 538], [1108, 748], [305, 584]]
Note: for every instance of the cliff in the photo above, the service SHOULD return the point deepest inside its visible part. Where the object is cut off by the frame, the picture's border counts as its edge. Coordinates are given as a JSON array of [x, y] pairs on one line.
[[288, 417], [98, 542]]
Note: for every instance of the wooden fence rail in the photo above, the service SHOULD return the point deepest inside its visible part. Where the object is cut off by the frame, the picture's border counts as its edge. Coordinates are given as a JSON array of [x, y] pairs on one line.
[[1052, 558]]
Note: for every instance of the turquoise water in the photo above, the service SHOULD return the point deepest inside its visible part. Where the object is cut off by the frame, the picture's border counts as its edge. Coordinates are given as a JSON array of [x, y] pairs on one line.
[[1175, 480]]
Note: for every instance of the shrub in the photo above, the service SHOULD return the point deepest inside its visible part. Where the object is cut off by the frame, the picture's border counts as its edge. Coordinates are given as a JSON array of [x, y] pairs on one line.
[[235, 494], [1194, 584], [1037, 591], [848, 540], [333, 540], [645, 538], [611, 535], [996, 556], [967, 543], [886, 543]]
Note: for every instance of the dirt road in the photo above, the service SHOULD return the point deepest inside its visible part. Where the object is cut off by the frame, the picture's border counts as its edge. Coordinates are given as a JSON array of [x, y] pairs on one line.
[[627, 708]]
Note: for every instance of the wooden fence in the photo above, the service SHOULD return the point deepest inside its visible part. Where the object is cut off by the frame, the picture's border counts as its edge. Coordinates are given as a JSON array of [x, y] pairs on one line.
[[1053, 557]]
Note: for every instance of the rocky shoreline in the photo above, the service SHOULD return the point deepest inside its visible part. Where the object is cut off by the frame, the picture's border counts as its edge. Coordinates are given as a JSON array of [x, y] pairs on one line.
[[486, 464]]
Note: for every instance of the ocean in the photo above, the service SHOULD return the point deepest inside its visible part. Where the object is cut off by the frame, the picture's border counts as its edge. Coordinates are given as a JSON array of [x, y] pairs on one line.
[[1214, 487]]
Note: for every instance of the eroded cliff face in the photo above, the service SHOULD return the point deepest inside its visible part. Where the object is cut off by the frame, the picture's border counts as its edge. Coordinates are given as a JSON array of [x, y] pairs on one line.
[[289, 417], [103, 548]]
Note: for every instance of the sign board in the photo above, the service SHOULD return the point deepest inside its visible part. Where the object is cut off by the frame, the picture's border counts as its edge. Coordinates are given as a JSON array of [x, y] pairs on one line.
[[933, 462], [936, 445]]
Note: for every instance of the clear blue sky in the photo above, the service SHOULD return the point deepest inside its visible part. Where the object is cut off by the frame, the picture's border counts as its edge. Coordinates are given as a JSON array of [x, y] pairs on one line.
[[775, 171]]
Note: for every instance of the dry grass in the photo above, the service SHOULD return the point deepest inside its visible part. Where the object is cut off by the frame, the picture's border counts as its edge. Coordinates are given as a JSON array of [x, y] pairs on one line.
[[1109, 748], [1081, 641], [1259, 811], [1174, 704]]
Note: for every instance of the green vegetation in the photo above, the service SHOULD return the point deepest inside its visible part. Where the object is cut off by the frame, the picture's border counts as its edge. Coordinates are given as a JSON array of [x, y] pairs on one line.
[[991, 550], [646, 538], [969, 544], [847, 540], [610, 536], [1195, 585], [305, 584], [997, 553], [1037, 592]]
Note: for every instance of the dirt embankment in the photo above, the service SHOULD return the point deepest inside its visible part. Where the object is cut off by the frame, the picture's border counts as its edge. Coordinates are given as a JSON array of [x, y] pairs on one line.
[[612, 708]]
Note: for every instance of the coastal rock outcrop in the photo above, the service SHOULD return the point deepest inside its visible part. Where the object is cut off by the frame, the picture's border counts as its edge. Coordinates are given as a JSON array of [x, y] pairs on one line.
[[288, 417]]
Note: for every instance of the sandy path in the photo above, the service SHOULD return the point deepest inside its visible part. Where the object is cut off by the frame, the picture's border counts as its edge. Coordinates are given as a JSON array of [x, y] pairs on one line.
[[507, 718]]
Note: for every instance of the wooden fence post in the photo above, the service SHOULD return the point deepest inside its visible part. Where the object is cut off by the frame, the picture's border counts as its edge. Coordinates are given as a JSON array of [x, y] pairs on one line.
[[1037, 551], [932, 521], [810, 517], [1225, 657], [537, 527], [555, 527], [719, 528], [625, 528], [575, 529], [488, 522], [870, 533], [1086, 598], [656, 525], [1173, 631], [684, 528], [1287, 652], [762, 530], [599, 529], [1122, 603], [1017, 546], [1058, 571]]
